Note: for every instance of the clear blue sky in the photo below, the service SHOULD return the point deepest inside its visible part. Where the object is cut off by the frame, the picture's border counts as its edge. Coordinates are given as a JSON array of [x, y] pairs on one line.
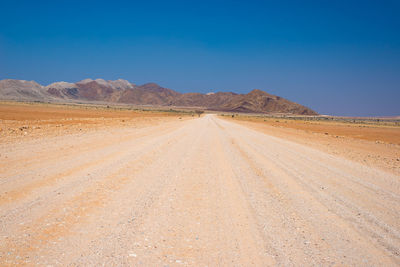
[[337, 57]]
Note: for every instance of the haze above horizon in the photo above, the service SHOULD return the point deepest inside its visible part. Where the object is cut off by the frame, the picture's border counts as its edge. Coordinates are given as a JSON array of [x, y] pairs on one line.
[[336, 57]]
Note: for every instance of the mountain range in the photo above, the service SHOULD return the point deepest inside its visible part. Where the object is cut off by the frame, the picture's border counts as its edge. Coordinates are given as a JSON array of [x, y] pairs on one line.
[[122, 91]]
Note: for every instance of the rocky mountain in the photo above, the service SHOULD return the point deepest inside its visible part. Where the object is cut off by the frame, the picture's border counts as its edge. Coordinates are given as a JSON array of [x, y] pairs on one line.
[[22, 90], [122, 91]]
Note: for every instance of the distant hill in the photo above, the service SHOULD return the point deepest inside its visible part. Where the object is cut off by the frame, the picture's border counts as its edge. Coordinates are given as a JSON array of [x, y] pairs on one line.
[[122, 91]]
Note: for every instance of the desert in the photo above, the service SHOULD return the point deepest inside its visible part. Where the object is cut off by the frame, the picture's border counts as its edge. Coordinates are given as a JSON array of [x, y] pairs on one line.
[[94, 185], [199, 133]]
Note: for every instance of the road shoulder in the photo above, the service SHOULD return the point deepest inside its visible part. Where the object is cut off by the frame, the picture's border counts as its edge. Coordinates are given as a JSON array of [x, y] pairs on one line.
[[374, 154]]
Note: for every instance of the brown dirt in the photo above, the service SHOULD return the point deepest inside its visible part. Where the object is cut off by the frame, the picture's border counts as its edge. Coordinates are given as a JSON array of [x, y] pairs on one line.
[[22, 121], [372, 145], [376, 132], [191, 192]]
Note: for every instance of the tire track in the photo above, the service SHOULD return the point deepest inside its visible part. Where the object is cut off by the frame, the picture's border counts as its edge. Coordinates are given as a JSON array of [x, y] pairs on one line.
[[291, 173], [76, 210]]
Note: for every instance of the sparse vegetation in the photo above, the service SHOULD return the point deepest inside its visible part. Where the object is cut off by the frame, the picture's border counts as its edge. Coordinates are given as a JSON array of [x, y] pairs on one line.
[[385, 130], [199, 112]]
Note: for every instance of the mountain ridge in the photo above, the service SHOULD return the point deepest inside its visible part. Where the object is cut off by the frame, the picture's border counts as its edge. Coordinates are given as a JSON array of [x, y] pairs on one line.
[[123, 91]]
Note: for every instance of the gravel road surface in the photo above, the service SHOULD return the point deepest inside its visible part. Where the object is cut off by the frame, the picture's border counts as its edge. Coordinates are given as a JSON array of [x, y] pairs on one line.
[[201, 192]]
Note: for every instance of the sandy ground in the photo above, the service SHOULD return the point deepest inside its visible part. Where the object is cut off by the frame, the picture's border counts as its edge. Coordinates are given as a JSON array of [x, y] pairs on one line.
[[20, 122], [191, 192], [377, 146]]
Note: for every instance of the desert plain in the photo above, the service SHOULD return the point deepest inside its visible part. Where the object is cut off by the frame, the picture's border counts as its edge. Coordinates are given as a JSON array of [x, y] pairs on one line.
[[95, 185]]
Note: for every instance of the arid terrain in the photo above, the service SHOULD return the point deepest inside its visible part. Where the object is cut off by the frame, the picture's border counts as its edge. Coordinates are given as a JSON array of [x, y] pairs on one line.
[[98, 186], [374, 143]]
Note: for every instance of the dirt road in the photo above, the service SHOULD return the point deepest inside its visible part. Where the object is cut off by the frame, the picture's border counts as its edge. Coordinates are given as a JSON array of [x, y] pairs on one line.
[[201, 192]]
